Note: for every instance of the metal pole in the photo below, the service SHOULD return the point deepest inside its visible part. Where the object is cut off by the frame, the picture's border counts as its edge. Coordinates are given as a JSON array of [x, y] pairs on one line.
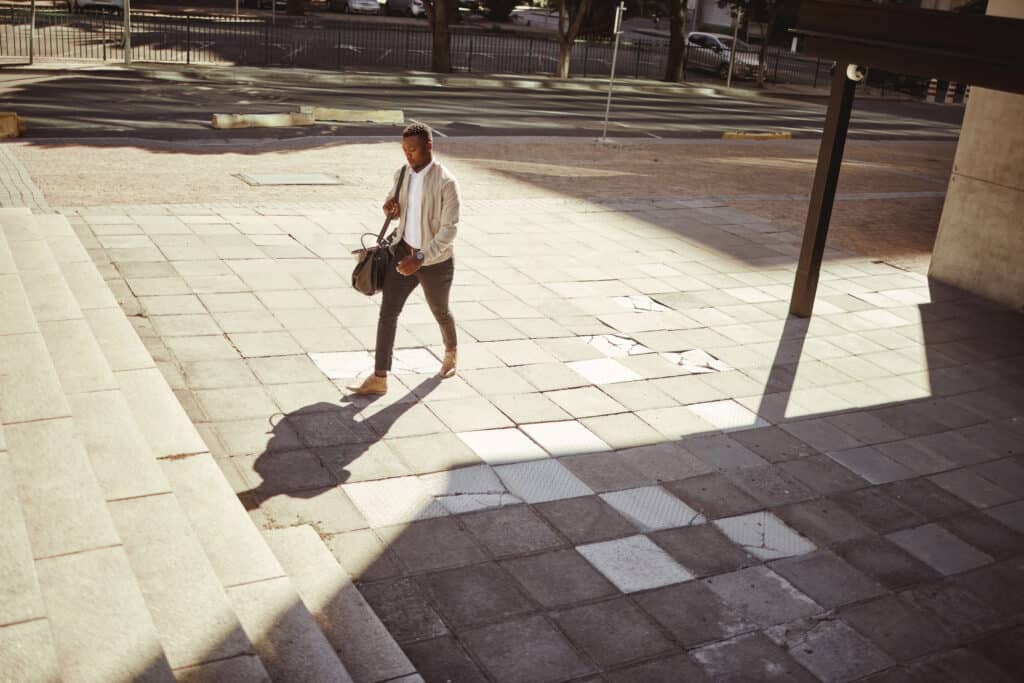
[[611, 77], [732, 52], [236, 9], [823, 192], [31, 33], [127, 31], [188, 38]]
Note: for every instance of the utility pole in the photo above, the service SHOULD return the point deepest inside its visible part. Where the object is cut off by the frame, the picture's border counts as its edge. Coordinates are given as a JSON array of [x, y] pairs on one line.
[[611, 77], [127, 12], [32, 34], [732, 51]]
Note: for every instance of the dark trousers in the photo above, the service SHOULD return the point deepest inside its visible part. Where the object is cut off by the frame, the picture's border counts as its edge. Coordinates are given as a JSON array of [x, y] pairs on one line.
[[437, 284]]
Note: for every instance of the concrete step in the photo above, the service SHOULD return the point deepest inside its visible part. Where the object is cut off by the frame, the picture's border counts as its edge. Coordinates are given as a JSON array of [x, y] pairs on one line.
[[362, 642]]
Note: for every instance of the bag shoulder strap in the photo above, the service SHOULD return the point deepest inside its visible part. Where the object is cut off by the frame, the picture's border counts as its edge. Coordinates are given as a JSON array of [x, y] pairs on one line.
[[398, 188]]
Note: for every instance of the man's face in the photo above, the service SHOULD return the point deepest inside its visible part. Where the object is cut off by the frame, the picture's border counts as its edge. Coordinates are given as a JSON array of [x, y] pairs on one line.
[[417, 151]]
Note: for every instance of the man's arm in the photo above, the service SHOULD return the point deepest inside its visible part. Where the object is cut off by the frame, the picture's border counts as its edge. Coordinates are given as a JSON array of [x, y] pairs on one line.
[[445, 237]]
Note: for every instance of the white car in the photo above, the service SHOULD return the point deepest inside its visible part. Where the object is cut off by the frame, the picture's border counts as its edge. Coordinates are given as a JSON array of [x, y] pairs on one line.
[[410, 8], [116, 6], [355, 6], [711, 51]]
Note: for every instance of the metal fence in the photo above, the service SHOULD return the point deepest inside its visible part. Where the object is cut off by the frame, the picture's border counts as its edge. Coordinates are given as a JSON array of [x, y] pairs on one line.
[[309, 43]]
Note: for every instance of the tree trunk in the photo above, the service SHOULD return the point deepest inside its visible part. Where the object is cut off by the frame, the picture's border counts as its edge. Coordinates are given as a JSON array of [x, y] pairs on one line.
[[441, 49], [295, 8], [675, 68], [762, 62], [564, 58], [569, 23]]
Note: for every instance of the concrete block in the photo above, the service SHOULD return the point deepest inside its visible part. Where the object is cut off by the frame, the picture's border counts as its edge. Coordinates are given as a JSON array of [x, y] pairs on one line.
[[15, 313], [284, 634], [118, 339], [159, 415], [101, 627], [20, 599], [30, 389], [364, 645], [189, 606], [88, 286], [355, 115], [228, 121], [27, 654], [241, 669], [49, 296], [76, 357]]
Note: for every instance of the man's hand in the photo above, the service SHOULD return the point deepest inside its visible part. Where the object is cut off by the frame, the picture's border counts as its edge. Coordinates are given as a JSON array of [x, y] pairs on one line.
[[409, 265], [392, 208]]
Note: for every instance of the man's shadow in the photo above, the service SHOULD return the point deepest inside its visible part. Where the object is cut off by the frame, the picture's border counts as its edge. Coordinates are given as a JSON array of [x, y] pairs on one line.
[[310, 449]]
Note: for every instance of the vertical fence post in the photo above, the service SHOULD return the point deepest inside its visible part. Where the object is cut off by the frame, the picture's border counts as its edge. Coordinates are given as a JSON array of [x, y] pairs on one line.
[[103, 29], [778, 58], [127, 12], [817, 68], [188, 38], [339, 49], [407, 35], [469, 61], [266, 42], [586, 56]]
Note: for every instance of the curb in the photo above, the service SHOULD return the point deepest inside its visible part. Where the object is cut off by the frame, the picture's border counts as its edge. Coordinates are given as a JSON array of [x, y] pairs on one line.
[[750, 135]]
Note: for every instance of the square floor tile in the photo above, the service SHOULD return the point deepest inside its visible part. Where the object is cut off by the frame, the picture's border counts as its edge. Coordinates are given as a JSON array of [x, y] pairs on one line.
[[551, 376], [634, 563], [774, 444], [393, 501], [693, 613], [441, 659], [616, 346], [604, 371], [827, 579], [561, 577], [762, 597], [728, 415], [904, 631], [469, 414], [343, 364], [502, 446], [823, 521], [474, 595], [652, 508], [733, 660], [696, 362], [526, 650], [972, 487], [565, 438], [586, 519], [624, 430], [830, 650], [431, 545], [886, 562], [468, 489], [714, 495], [541, 480], [404, 609], [763, 535], [612, 632], [703, 549], [529, 407], [511, 531], [585, 402], [871, 464], [939, 549], [676, 423]]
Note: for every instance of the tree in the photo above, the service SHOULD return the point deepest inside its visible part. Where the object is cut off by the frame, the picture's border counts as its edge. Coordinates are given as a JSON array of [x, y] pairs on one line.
[[676, 64], [767, 11], [295, 8], [500, 10], [439, 14], [570, 18]]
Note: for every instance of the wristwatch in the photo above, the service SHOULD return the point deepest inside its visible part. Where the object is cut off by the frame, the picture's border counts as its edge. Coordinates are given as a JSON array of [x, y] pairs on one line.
[[420, 255]]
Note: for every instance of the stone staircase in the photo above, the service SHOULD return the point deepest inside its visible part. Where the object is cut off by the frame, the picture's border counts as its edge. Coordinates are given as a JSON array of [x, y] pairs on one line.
[[124, 553]]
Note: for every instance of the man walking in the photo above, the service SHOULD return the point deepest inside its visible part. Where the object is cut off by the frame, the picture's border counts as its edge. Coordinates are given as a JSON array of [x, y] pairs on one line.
[[427, 205]]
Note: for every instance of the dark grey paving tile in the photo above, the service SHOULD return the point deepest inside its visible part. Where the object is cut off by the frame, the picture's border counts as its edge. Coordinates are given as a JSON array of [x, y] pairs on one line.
[[527, 650], [586, 519], [703, 549], [894, 674], [664, 462], [605, 471], [613, 632], [774, 444], [872, 464], [997, 439], [865, 427], [962, 614], [771, 485], [823, 521], [562, 577], [827, 579], [823, 474], [693, 613], [885, 562], [900, 629], [668, 670], [947, 413], [955, 447], [958, 665], [830, 649], [918, 460], [821, 435], [441, 660], [713, 495], [878, 510], [930, 501], [732, 661], [968, 485], [471, 596], [512, 530], [1008, 473], [1000, 586], [431, 545], [1006, 650], [722, 452], [404, 609], [986, 534], [905, 418], [762, 596]]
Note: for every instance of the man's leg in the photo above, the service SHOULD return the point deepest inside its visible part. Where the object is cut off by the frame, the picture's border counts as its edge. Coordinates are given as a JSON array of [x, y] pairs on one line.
[[396, 291], [437, 286]]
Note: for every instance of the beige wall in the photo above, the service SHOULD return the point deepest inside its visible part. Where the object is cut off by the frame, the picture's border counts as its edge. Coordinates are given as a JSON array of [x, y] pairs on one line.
[[980, 244]]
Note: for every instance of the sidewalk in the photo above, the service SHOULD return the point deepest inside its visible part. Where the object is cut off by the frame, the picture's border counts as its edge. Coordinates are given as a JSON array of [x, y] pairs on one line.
[[644, 470]]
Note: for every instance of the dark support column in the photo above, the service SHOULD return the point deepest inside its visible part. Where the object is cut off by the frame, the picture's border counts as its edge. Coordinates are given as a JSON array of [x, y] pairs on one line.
[[826, 177]]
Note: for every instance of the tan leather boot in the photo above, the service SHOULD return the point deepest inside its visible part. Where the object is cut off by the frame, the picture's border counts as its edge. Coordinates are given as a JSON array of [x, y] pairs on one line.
[[371, 386], [448, 365]]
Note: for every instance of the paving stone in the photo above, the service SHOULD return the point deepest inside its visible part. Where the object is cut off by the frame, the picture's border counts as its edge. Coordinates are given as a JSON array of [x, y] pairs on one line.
[[519, 352], [527, 650], [586, 519], [747, 656], [903, 631], [994, 438], [997, 585], [393, 501], [20, 599], [218, 374], [494, 381], [541, 480], [652, 508], [866, 428], [434, 453], [821, 435], [15, 311], [770, 485], [961, 613], [76, 357], [908, 419], [761, 596], [285, 369], [443, 659], [363, 556], [532, 407], [514, 530], [405, 420], [236, 404], [565, 438], [639, 395], [827, 579], [634, 563], [689, 389], [502, 446], [28, 652], [830, 650], [973, 488], [664, 462], [328, 510], [624, 430], [1004, 650], [158, 414], [959, 664], [559, 578], [475, 595], [118, 340], [713, 495], [878, 510], [468, 489], [763, 535], [603, 371], [31, 389], [550, 377], [773, 444], [604, 471], [307, 396], [986, 534], [693, 613], [612, 632], [955, 447], [925, 498], [869, 463], [431, 545], [885, 562], [728, 415], [1007, 473], [823, 475], [823, 521], [101, 627], [470, 414], [722, 452], [404, 609]]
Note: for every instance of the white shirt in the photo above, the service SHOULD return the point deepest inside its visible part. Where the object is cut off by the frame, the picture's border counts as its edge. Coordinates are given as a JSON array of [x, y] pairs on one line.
[[413, 229]]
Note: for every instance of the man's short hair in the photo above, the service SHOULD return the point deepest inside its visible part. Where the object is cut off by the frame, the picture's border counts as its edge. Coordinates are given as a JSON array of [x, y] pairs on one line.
[[419, 130]]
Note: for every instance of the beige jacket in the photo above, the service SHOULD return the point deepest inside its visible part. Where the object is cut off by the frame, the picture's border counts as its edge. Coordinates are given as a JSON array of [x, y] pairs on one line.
[[439, 217]]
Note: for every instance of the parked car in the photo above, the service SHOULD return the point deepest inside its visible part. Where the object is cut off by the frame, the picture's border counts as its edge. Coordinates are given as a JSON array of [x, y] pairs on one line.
[[711, 52], [116, 6], [265, 4], [355, 6], [410, 8]]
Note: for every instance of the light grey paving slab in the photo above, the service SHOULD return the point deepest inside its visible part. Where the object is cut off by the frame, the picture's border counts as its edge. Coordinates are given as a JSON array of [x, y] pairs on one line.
[[541, 480], [264, 344], [15, 312], [728, 415], [118, 451], [468, 489], [762, 597], [400, 500], [20, 599], [939, 549], [172, 305], [31, 388], [972, 487], [565, 438], [551, 376], [604, 371], [697, 361], [27, 652], [470, 414], [76, 356], [529, 407], [363, 644], [585, 402], [49, 296], [205, 347], [101, 627], [160, 417], [502, 446], [764, 536], [343, 364], [519, 352], [676, 422], [284, 634], [641, 395], [624, 430], [62, 504], [235, 403], [220, 374], [616, 346], [831, 650], [118, 340], [328, 510], [652, 508], [234, 547], [186, 600], [634, 563], [493, 381]]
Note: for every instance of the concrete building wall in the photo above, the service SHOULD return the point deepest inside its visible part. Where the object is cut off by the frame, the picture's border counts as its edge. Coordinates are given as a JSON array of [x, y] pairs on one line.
[[980, 244]]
